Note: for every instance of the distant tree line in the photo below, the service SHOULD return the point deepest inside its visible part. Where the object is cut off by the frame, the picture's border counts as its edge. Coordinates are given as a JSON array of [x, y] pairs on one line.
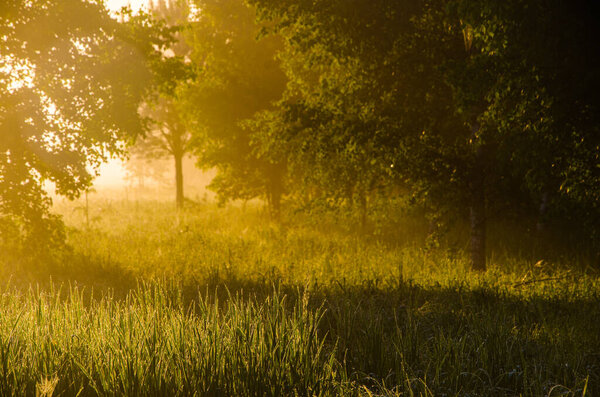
[[470, 107]]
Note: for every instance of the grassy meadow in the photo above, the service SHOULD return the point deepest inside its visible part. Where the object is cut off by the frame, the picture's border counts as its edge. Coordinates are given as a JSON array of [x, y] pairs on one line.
[[217, 301]]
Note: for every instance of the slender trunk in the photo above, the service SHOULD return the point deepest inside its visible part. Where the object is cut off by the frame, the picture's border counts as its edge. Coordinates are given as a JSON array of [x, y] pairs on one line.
[[276, 204], [477, 217], [87, 210], [541, 223], [350, 194], [275, 192], [363, 210], [477, 209], [477, 199], [179, 198]]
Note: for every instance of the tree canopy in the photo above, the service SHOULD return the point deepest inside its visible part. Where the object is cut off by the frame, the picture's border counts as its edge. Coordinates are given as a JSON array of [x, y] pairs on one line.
[[450, 98], [71, 81], [471, 108], [167, 134], [239, 77]]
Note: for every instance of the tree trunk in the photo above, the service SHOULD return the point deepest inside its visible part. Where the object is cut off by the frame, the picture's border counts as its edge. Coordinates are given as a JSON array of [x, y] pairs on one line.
[[276, 204], [350, 194], [477, 209], [179, 198], [541, 223], [275, 192], [363, 211], [477, 217]]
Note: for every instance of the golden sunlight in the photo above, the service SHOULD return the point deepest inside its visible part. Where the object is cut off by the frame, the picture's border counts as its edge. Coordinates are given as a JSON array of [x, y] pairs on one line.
[[115, 5], [299, 197], [111, 174]]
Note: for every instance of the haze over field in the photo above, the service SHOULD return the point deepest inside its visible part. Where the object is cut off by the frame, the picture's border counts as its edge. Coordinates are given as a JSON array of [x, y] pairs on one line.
[[401, 198], [113, 173]]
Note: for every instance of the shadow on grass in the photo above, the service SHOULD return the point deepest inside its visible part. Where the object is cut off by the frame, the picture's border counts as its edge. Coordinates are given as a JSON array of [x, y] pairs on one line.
[[407, 337]]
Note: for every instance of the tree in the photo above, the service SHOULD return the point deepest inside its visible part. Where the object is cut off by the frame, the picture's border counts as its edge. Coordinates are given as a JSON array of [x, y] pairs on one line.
[[71, 81], [538, 114], [372, 102], [445, 93], [239, 77], [168, 135]]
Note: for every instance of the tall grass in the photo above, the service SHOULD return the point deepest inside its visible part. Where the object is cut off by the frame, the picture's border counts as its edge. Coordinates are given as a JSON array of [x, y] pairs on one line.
[[232, 304], [408, 341], [151, 344]]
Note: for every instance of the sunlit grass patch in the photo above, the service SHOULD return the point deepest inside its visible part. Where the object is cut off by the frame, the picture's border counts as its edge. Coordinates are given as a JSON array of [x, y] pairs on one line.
[[222, 301], [151, 343]]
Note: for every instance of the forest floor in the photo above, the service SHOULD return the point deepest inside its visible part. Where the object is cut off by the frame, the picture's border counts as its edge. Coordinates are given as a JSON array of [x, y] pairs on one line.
[[222, 301]]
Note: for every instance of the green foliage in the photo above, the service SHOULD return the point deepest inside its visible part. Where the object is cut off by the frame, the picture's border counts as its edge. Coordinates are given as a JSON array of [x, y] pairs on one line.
[[450, 108], [71, 82], [166, 135], [448, 97], [239, 76]]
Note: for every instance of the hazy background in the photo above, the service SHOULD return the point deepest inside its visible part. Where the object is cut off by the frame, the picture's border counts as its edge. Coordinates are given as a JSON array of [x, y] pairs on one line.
[[152, 179], [113, 174]]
